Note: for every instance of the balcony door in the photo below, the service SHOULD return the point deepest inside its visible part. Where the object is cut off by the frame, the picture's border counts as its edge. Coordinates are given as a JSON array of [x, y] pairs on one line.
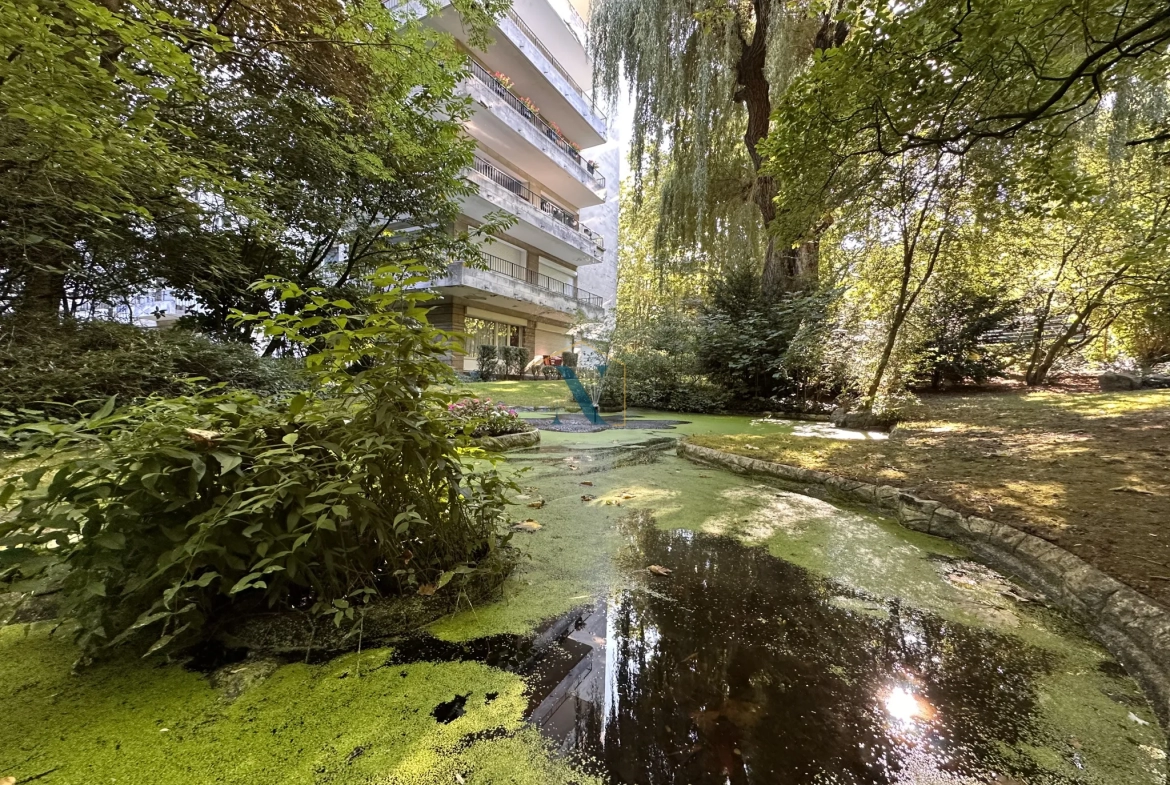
[[506, 259]]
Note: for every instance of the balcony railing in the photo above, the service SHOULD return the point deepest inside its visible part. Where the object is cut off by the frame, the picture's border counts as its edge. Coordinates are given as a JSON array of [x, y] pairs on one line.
[[539, 280], [587, 97], [481, 74], [483, 171]]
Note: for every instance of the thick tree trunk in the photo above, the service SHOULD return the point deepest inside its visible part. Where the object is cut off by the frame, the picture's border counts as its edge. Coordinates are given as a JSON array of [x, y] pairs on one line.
[[785, 269], [42, 294]]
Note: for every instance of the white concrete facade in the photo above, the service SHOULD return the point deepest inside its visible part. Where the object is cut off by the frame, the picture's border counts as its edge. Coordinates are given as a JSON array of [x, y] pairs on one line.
[[544, 156]]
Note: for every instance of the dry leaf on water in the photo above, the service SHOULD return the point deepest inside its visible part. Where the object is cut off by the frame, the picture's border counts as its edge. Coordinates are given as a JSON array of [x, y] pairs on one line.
[[588, 498], [536, 505], [203, 438], [659, 570], [427, 589], [527, 526], [627, 495], [587, 482]]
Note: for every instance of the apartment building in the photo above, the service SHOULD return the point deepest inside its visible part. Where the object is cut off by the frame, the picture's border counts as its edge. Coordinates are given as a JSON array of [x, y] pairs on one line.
[[544, 157]]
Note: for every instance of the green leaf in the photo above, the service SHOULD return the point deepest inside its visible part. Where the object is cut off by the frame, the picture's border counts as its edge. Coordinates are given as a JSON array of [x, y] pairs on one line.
[[227, 461], [290, 438], [445, 578], [105, 411], [115, 541]]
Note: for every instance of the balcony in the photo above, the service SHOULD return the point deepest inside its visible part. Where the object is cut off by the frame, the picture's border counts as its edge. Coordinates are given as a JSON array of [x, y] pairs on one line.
[[507, 285], [518, 51], [506, 125], [542, 223]]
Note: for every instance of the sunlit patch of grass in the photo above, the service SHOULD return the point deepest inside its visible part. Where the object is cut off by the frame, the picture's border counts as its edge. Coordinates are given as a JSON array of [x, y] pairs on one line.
[[520, 393]]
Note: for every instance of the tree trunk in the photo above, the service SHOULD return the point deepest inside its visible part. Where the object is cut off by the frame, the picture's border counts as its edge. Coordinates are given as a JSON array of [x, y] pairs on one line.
[[785, 269], [43, 292]]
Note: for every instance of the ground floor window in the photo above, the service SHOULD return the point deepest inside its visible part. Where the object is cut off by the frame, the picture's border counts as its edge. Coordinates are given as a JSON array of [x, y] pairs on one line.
[[483, 332]]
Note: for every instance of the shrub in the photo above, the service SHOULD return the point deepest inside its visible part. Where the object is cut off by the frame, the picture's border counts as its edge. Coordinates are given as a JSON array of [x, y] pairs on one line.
[[55, 365], [955, 349], [481, 417], [488, 358], [514, 360], [175, 514]]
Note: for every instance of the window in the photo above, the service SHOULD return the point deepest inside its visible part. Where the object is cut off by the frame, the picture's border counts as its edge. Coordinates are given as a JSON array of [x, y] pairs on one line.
[[484, 332]]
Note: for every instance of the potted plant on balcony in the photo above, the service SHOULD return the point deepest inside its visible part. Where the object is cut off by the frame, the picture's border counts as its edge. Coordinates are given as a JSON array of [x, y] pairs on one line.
[[527, 108]]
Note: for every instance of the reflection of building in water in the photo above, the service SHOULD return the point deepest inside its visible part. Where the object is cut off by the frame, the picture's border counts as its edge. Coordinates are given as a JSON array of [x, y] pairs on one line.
[[573, 714], [741, 668]]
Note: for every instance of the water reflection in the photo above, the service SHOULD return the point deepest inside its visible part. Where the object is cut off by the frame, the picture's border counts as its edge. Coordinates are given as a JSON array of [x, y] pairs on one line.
[[741, 668]]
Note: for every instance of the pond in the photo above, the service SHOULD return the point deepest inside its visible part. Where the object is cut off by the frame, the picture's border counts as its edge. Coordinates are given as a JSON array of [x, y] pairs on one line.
[[794, 641]]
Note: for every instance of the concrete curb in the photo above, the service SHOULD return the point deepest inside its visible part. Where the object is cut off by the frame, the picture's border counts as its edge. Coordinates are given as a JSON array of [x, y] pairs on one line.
[[510, 441], [1134, 628]]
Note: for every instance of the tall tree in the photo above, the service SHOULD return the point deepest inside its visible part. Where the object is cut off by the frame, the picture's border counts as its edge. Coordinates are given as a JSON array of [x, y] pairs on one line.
[[704, 73], [206, 144]]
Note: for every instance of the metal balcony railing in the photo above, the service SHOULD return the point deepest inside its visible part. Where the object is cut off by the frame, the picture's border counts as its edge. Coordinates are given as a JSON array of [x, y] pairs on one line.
[[481, 74], [541, 281], [587, 97], [484, 171]]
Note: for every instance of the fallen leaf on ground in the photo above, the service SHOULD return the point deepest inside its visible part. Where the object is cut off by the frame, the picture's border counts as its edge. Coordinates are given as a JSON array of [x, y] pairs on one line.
[[427, 589], [536, 505], [587, 482], [7, 780], [459, 779], [627, 495], [659, 570], [588, 498], [527, 526]]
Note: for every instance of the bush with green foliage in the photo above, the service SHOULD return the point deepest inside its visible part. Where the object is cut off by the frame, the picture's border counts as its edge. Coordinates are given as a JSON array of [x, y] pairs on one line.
[[488, 359], [51, 365], [162, 519], [955, 349], [515, 359], [658, 368], [757, 347]]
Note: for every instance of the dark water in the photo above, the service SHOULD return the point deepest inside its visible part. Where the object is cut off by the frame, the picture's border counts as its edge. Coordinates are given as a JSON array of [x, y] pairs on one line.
[[741, 668]]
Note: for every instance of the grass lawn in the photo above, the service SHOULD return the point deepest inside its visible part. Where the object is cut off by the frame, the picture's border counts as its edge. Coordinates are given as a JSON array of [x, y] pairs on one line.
[[526, 393], [1090, 472]]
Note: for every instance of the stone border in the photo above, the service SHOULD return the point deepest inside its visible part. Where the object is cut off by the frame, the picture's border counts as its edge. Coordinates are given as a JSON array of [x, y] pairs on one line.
[[509, 441], [1134, 628]]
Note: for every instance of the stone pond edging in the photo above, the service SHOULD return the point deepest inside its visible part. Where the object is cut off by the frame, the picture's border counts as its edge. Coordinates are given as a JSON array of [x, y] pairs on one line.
[[1134, 628], [509, 441]]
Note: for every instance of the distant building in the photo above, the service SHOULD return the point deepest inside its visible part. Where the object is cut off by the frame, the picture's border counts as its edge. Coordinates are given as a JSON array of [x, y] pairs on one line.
[[543, 156]]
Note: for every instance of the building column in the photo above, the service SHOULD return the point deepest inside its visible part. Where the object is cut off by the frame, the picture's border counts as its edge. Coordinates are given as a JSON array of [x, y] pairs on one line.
[[528, 339]]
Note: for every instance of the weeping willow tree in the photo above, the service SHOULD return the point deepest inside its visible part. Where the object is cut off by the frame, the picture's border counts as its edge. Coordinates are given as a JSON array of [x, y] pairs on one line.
[[705, 77]]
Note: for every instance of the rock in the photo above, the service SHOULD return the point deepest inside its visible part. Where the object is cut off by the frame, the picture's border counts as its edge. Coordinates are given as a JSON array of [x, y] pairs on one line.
[[1115, 381], [1158, 382], [860, 419]]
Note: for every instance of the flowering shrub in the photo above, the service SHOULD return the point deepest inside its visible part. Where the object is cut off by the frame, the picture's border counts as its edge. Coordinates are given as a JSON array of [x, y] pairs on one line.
[[486, 418]]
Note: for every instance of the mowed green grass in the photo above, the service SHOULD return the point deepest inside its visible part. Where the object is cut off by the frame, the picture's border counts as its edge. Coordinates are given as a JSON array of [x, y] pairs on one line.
[[525, 393]]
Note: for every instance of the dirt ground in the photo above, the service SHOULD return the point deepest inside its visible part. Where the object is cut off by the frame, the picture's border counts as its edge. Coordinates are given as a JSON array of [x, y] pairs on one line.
[[1087, 471]]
